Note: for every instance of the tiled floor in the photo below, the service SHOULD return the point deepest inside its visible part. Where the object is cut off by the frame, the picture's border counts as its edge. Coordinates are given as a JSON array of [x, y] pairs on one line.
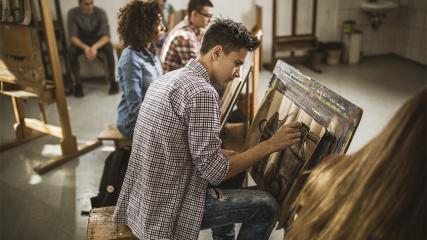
[[48, 206]]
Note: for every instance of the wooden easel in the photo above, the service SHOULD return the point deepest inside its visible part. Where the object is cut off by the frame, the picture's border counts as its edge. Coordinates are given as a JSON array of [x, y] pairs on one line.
[[39, 90], [298, 36]]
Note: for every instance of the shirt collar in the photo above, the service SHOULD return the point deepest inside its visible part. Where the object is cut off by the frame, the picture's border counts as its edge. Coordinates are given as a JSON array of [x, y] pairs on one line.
[[146, 53], [198, 69]]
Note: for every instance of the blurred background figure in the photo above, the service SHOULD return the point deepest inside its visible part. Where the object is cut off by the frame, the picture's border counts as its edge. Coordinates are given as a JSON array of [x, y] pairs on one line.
[[138, 65], [379, 192], [168, 14], [183, 42], [89, 34]]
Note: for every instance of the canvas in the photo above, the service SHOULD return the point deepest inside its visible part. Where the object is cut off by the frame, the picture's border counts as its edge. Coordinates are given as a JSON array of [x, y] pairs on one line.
[[328, 122]]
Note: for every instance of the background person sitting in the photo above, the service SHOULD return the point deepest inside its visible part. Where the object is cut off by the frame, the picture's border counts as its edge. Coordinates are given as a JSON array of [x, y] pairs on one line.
[[89, 34], [183, 42], [139, 27], [379, 192], [168, 15]]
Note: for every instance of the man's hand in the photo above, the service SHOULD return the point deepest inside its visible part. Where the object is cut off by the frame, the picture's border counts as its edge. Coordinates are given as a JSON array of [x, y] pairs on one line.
[[93, 51], [88, 53], [286, 136]]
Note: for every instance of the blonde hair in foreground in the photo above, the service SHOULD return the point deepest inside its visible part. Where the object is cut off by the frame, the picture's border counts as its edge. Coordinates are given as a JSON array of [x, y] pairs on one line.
[[379, 192]]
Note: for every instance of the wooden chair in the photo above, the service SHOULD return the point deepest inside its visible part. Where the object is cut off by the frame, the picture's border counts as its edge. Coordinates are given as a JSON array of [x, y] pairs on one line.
[[101, 227], [111, 133]]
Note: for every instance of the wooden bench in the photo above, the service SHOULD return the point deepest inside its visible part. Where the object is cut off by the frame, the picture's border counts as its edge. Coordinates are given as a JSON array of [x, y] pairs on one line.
[[111, 133], [101, 226]]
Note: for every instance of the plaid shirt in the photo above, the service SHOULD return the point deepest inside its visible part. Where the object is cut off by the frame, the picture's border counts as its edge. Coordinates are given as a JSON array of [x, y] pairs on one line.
[[176, 153], [181, 45]]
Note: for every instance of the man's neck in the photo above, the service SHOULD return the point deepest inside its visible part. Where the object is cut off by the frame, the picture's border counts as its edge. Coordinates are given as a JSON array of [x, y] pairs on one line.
[[205, 61], [192, 25]]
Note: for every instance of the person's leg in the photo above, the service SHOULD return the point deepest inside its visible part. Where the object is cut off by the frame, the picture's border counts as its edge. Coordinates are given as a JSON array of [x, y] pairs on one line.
[[73, 58], [107, 50], [227, 231], [256, 210]]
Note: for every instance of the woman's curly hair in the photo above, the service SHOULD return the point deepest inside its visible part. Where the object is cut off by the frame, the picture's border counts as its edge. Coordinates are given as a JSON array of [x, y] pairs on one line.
[[138, 22]]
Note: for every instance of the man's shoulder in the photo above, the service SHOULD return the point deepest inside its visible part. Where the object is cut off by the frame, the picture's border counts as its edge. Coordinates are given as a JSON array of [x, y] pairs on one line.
[[99, 10], [193, 84], [74, 11], [182, 30]]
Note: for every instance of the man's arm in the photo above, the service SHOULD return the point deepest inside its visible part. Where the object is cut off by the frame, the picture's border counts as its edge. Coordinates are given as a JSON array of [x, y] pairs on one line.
[[288, 135], [228, 152], [93, 50], [203, 118], [101, 42], [78, 43], [73, 31], [104, 32]]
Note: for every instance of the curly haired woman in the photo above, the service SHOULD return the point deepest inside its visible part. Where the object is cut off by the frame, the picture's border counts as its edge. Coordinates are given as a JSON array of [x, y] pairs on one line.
[[379, 192], [139, 27]]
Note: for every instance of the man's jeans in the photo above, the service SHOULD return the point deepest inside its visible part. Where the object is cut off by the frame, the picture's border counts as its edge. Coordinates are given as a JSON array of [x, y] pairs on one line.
[[256, 210]]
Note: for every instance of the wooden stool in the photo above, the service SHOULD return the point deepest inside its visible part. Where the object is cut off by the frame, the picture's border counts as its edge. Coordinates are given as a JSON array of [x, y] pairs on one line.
[[101, 226], [112, 133]]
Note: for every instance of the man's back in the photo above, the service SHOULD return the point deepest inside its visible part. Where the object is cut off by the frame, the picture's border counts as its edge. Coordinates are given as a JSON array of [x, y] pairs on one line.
[[175, 154]]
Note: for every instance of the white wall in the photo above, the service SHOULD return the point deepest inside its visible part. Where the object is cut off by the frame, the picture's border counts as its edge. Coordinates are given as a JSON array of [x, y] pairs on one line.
[[411, 40], [329, 16], [404, 31], [326, 29], [224, 8]]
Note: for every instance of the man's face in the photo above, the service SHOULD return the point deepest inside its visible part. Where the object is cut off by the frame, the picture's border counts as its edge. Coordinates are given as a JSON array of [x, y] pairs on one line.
[[86, 6], [226, 67], [201, 18]]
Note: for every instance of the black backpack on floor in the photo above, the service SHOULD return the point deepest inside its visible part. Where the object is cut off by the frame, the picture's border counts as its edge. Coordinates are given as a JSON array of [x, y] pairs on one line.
[[112, 178]]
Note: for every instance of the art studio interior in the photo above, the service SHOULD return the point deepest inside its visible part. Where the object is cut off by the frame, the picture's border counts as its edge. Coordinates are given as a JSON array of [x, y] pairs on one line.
[[213, 119]]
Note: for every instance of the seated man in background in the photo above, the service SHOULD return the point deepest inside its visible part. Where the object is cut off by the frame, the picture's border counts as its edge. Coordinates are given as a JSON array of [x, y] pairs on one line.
[[183, 42], [89, 34]]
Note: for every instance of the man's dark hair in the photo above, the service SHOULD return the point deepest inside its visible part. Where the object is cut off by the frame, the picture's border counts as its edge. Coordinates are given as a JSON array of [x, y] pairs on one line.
[[230, 35], [197, 5], [138, 22]]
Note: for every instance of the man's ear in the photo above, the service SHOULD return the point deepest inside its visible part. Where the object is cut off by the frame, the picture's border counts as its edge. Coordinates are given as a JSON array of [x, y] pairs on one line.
[[216, 52], [192, 15]]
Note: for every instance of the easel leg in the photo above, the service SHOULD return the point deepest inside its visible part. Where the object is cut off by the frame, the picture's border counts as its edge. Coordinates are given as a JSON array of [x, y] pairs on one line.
[[21, 131]]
